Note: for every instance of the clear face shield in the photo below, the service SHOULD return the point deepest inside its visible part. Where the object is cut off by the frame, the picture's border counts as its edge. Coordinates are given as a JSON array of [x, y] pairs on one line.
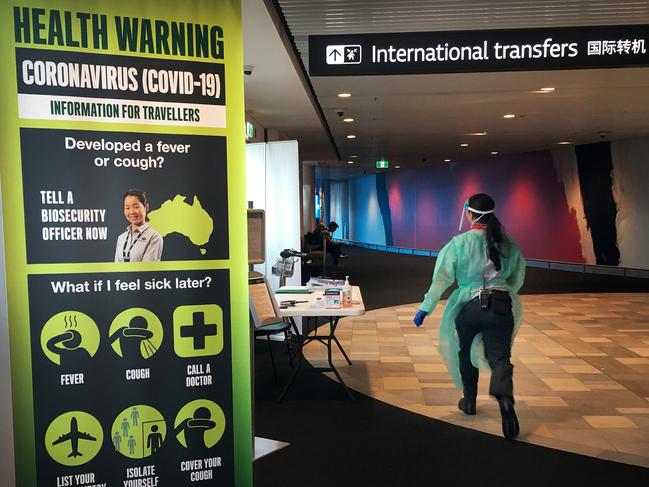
[[466, 208]]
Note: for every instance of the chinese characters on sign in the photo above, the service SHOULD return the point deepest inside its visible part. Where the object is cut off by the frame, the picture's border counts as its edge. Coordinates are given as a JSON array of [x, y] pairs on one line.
[[621, 46]]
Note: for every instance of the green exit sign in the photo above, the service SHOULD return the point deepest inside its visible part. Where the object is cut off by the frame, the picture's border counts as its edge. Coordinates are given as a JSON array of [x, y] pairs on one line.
[[250, 131], [382, 164]]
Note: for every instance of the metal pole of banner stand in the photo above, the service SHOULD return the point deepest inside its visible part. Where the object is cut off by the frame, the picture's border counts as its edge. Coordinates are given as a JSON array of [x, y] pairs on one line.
[[7, 466], [324, 256], [260, 446]]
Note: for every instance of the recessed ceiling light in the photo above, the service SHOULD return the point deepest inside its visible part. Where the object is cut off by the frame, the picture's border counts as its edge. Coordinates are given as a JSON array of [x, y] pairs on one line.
[[478, 133], [564, 142], [348, 120], [548, 89], [351, 136], [447, 160], [344, 95], [509, 115], [353, 157], [494, 152], [397, 167], [464, 145], [350, 162]]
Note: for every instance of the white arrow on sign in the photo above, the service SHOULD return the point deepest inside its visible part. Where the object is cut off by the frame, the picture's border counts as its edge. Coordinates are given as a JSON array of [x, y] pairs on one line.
[[343, 54]]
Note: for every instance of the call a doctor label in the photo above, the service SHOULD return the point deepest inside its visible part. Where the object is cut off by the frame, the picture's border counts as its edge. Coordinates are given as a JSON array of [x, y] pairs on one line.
[[198, 375], [201, 468], [78, 480], [141, 477]]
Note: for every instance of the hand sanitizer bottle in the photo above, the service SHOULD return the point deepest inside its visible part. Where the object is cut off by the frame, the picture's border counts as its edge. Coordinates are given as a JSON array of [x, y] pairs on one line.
[[347, 294]]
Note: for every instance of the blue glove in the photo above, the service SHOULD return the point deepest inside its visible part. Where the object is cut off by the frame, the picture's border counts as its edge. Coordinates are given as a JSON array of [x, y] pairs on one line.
[[419, 318]]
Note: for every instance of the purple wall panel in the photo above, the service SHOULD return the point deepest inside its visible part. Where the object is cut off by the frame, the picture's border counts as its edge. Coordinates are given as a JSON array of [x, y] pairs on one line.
[[425, 204]]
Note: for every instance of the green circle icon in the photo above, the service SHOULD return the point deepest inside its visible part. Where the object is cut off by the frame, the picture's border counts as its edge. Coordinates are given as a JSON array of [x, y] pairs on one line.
[[70, 338], [74, 438], [138, 431], [199, 424], [135, 333]]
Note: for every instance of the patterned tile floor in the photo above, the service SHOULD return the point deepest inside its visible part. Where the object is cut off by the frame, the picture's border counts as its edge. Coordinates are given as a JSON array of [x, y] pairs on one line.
[[581, 371]]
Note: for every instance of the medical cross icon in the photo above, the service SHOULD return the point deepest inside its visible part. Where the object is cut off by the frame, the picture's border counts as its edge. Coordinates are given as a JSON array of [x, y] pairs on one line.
[[198, 330]]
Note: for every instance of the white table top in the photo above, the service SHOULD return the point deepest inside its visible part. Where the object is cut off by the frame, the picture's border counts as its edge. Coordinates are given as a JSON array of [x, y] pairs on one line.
[[312, 309]]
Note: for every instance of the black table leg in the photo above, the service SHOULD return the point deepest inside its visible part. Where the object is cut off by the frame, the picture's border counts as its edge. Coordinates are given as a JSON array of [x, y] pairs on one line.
[[301, 339], [304, 338], [332, 329], [342, 350]]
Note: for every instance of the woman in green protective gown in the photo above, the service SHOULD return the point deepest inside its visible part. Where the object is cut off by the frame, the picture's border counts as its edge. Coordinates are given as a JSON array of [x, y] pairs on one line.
[[483, 315]]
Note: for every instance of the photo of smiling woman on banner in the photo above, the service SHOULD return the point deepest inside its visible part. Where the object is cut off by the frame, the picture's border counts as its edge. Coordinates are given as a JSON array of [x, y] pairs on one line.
[[140, 242]]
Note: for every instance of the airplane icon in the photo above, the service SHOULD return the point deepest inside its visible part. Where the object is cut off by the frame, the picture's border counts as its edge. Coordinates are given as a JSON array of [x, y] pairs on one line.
[[73, 436]]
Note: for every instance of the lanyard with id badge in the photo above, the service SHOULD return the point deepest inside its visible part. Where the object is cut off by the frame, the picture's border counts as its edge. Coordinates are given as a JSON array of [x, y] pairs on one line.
[[126, 254]]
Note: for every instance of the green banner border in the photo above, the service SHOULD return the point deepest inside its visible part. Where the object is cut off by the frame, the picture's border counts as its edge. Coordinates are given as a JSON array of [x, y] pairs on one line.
[[226, 13]]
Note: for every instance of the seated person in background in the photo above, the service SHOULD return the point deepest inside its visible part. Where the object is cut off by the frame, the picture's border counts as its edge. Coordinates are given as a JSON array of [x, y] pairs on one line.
[[333, 248], [313, 240]]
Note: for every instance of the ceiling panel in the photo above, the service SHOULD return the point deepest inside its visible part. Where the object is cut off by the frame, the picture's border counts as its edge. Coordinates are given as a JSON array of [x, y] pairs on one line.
[[424, 119], [309, 17], [274, 93], [456, 8]]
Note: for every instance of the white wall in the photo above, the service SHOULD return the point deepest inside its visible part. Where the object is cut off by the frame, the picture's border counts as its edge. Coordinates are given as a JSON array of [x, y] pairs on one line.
[[630, 183], [7, 472], [565, 163], [256, 174], [308, 197], [273, 184]]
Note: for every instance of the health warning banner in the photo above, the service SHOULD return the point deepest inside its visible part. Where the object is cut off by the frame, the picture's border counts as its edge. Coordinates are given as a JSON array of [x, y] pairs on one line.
[[124, 221]]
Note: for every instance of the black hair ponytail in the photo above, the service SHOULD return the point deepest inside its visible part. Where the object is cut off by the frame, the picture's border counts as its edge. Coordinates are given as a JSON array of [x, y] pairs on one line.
[[494, 230]]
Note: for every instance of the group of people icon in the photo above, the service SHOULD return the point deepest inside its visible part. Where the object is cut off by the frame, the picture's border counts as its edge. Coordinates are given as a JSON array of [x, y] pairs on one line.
[[194, 429], [126, 429], [153, 442], [154, 437]]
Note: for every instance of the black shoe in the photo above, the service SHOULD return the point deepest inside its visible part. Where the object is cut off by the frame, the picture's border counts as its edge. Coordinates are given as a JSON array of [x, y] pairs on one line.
[[467, 406], [510, 421]]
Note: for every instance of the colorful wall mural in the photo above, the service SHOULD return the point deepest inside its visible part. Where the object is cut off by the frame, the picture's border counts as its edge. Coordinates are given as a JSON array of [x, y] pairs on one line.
[[580, 204]]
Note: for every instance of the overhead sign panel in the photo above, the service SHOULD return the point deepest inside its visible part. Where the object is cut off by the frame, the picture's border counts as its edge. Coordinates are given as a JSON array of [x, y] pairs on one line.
[[475, 51]]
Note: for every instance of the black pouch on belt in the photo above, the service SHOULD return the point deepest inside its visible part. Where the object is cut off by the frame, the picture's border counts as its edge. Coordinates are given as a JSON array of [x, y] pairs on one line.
[[501, 301], [484, 297]]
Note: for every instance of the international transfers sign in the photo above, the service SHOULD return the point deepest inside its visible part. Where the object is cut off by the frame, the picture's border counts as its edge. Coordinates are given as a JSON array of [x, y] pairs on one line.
[[481, 50], [122, 180]]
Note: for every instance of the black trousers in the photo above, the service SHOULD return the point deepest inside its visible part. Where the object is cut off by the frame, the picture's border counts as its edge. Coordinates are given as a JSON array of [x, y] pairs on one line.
[[496, 324], [335, 250]]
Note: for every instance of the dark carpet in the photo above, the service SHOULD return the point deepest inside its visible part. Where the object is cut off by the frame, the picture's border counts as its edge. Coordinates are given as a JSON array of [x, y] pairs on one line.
[[338, 442]]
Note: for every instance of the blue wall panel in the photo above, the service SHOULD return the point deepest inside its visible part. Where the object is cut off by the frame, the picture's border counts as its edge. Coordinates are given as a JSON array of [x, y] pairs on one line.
[[365, 219]]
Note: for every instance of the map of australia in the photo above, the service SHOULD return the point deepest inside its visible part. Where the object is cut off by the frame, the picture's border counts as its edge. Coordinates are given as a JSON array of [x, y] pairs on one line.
[[190, 220]]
